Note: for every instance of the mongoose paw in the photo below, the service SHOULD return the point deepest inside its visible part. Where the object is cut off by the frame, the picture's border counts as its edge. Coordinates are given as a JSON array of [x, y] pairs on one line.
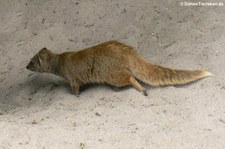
[[145, 92], [76, 93], [116, 89]]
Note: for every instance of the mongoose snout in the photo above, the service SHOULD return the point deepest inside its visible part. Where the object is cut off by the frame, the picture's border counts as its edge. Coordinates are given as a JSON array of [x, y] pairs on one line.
[[30, 66]]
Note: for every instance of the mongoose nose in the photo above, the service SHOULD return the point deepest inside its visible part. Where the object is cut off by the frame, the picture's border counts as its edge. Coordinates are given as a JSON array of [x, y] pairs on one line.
[[27, 67]]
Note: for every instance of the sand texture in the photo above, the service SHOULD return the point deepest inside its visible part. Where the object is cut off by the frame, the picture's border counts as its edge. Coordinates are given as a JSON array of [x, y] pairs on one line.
[[38, 111]]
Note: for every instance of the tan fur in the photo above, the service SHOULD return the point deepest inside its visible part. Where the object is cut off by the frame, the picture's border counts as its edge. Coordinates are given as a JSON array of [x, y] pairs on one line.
[[111, 62]]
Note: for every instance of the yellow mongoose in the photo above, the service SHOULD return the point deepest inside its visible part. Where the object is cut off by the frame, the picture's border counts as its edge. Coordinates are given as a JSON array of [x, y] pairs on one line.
[[110, 62]]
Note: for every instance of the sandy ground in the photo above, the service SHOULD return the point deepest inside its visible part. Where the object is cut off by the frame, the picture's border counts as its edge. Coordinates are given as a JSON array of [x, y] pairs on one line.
[[38, 111]]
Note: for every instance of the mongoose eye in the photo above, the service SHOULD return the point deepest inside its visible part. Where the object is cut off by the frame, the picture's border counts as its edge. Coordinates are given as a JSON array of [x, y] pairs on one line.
[[37, 59]]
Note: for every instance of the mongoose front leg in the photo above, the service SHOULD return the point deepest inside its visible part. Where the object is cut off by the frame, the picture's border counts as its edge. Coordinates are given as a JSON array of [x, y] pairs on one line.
[[75, 88]]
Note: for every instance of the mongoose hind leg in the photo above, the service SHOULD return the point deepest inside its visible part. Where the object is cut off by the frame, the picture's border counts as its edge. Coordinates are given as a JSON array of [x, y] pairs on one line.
[[124, 80], [137, 85]]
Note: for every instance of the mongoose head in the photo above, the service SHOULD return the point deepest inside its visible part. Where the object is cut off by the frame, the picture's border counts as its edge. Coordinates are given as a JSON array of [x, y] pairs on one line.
[[41, 62]]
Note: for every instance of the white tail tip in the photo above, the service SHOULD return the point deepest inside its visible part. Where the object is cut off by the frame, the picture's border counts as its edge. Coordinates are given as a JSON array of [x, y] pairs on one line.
[[206, 73]]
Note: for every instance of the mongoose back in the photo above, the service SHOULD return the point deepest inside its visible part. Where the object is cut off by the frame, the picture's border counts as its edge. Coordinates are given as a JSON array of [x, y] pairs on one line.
[[110, 62]]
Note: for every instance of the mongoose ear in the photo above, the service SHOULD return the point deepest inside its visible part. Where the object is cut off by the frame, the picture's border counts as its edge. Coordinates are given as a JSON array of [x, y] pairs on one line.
[[44, 49]]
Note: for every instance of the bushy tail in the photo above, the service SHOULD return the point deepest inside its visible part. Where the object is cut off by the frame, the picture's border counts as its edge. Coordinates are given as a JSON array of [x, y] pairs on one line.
[[159, 76]]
